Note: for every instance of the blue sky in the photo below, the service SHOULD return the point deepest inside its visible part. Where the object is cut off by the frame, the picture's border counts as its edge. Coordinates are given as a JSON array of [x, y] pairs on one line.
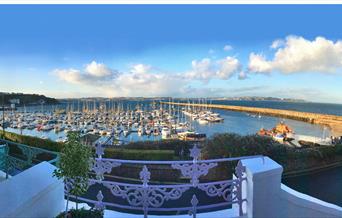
[[178, 50]]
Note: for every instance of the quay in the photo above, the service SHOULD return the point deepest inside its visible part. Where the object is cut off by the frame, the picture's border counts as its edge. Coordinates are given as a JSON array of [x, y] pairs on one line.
[[334, 122]]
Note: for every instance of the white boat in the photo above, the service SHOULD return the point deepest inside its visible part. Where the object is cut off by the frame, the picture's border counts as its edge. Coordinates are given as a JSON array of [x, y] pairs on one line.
[[203, 121], [126, 132], [141, 131], [148, 131], [278, 137], [165, 133]]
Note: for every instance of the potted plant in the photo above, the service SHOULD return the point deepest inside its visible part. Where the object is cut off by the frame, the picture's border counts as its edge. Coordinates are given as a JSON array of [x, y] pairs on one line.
[[74, 168]]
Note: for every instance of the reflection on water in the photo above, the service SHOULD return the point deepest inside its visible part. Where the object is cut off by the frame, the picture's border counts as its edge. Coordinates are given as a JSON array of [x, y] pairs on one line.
[[325, 185]]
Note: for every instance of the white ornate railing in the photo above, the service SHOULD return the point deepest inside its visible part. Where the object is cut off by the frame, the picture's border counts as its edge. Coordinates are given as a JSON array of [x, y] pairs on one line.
[[150, 197], [18, 157]]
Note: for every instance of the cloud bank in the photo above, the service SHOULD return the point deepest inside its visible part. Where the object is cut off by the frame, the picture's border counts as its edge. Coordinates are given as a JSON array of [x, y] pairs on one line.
[[207, 69], [296, 54], [94, 73], [145, 80], [291, 55]]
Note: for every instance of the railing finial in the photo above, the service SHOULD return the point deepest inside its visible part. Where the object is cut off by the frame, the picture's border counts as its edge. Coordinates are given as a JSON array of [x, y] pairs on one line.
[[99, 204], [195, 152], [99, 150], [194, 203], [145, 175]]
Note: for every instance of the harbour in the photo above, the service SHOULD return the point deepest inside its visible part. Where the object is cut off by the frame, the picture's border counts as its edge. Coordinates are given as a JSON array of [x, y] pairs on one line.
[[146, 120], [334, 122]]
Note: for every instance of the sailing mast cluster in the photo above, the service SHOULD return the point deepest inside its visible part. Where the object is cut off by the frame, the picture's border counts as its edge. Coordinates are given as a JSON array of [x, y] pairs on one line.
[[203, 115], [121, 118]]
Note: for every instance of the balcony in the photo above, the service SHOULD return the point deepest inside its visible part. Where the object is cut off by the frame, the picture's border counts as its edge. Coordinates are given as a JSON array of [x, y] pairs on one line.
[[253, 190]]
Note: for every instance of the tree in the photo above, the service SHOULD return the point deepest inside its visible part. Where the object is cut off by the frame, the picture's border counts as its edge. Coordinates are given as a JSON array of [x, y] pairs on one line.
[[74, 166]]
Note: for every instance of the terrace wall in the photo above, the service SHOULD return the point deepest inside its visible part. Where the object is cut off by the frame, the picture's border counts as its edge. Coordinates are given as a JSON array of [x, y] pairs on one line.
[[267, 197], [32, 193]]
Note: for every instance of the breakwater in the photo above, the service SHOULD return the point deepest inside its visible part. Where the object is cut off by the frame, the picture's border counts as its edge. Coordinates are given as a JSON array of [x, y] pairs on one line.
[[334, 122]]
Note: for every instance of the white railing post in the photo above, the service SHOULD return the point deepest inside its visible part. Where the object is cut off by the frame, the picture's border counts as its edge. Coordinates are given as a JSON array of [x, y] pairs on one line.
[[262, 187]]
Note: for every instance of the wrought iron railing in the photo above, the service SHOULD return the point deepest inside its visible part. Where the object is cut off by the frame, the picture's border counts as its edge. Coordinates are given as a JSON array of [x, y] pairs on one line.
[[16, 157], [150, 197]]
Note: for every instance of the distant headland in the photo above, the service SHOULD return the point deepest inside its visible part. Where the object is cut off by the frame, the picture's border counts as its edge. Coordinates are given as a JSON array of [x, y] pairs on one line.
[[244, 98], [21, 99]]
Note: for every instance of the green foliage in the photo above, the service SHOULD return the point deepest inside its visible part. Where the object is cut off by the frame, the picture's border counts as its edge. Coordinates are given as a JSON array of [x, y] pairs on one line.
[[138, 154], [163, 150], [82, 213], [34, 141], [180, 148], [74, 164], [26, 99], [234, 145]]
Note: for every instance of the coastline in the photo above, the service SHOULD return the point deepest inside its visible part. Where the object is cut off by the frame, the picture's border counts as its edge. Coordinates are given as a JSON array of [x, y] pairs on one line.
[[334, 122]]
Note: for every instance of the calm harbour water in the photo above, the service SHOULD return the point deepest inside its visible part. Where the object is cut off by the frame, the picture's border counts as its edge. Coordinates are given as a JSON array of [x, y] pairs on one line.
[[236, 122], [325, 185]]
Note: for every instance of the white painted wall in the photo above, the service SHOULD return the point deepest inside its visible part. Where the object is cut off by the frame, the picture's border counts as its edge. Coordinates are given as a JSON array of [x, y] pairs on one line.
[[296, 204], [267, 197], [32, 193]]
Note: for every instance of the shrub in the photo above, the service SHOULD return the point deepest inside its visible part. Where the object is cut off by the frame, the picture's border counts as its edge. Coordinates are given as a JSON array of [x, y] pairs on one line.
[[82, 213], [234, 145], [74, 165], [34, 141]]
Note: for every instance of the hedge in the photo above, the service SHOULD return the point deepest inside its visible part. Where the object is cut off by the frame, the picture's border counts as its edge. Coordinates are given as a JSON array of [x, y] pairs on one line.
[[117, 153], [34, 141], [234, 145], [220, 145], [180, 148], [136, 154]]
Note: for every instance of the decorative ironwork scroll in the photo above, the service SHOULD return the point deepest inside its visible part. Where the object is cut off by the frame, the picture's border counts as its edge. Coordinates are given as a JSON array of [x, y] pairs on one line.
[[220, 189], [195, 169], [29, 152], [147, 196], [103, 166]]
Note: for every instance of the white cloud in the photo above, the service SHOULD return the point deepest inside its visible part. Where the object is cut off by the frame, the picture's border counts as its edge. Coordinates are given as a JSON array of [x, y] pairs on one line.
[[94, 73], [142, 81], [207, 69], [69, 75], [141, 68], [277, 44], [227, 48], [98, 69], [228, 67], [145, 80], [258, 63], [139, 81], [300, 55]]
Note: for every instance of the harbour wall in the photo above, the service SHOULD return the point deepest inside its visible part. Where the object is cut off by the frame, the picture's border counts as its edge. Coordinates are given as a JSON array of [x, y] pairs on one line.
[[334, 122]]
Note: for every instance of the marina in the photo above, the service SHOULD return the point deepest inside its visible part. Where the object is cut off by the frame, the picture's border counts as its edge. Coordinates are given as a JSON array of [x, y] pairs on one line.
[[147, 121], [334, 122], [144, 120]]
